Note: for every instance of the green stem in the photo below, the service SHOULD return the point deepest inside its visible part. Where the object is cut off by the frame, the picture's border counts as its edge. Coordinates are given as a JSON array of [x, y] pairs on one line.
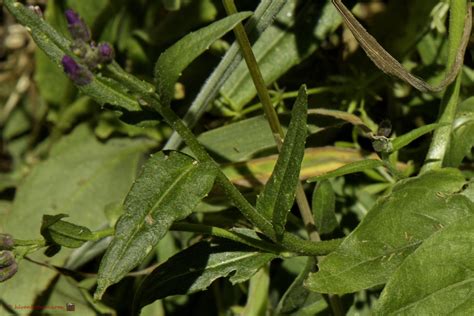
[[224, 233], [442, 135], [103, 233], [289, 241], [270, 114], [255, 74]]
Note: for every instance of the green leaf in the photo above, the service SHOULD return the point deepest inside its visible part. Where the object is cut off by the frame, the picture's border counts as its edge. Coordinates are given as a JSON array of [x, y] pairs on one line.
[[393, 228], [75, 180], [279, 193], [196, 267], [297, 298], [437, 279], [297, 32], [175, 59], [462, 137], [101, 89], [63, 233], [405, 139], [257, 298], [324, 207], [168, 189], [263, 17], [52, 82], [356, 166]]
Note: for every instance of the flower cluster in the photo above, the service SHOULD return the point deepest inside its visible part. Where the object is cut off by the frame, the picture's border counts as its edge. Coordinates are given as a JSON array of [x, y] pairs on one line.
[[91, 55], [8, 265]]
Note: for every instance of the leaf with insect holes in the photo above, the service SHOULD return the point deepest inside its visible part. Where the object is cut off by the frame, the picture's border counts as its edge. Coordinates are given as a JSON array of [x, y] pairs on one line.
[[279, 193], [168, 189], [397, 224], [196, 267], [175, 59], [101, 89]]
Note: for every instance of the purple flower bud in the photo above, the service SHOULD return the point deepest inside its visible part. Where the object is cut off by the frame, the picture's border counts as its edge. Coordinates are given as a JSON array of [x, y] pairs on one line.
[[78, 74], [77, 27], [6, 258], [6, 242], [106, 53], [8, 272]]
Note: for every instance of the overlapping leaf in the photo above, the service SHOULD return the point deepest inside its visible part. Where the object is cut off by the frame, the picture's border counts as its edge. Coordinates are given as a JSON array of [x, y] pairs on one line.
[[196, 267], [279, 193], [168, 189], [437, 279], [393, 228]]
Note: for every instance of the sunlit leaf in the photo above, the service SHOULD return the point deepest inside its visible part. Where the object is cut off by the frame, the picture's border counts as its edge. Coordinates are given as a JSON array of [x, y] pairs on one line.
[[279, 193], [405, 139], [353, 167], [101, 89], [168, 189], [393, 228], [437, 279]]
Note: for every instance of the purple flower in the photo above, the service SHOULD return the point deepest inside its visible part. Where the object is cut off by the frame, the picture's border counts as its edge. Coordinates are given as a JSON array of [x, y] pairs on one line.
[[77, 27], [77, 73], [106, 52]]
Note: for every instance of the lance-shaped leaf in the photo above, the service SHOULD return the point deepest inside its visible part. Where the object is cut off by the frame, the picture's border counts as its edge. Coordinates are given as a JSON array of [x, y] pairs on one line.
[[63, 233], [101, 89], [393, 228], [324, 207], [175, 59], [405, 139], [168, 189], [196, 267], [353, 167], [437, 279], [279, 193]]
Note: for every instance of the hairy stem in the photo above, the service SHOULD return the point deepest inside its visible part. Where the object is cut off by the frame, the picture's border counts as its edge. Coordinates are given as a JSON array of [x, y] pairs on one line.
[[270, 114]]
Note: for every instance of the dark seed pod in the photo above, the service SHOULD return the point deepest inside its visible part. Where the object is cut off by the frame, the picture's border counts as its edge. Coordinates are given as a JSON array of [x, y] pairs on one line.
[[6, 242], [77, 27], [7, 272], [6, 258], [77, 73]]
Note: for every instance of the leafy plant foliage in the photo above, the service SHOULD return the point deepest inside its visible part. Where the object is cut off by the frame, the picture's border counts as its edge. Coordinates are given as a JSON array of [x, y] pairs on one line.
[[101, 206]]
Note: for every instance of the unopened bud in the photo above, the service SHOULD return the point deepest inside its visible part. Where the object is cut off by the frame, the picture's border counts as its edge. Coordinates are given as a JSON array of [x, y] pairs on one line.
[[77, 27], [77, 73], [106, 53]]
